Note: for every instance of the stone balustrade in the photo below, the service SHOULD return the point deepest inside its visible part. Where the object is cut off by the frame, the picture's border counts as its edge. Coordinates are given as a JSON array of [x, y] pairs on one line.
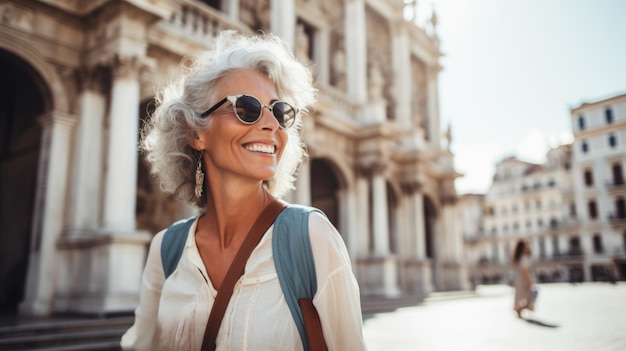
[[339, 102], [197, 20]]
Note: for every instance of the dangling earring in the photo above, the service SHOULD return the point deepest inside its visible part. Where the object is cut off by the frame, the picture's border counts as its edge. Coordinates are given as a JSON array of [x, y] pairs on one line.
[[199, 177]]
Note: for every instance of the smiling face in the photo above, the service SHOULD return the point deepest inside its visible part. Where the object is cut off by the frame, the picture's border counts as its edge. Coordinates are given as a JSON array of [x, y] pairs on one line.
[[234, 150]]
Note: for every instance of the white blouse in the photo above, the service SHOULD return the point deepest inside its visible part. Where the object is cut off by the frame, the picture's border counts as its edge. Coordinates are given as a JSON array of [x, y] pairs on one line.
[[173, 313]]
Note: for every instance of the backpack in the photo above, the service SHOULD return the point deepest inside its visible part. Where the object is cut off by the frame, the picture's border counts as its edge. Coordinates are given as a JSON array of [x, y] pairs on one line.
[[291, 248]]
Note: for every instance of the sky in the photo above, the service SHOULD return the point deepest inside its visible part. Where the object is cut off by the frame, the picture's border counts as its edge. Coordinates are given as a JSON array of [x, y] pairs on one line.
[[513, 69]]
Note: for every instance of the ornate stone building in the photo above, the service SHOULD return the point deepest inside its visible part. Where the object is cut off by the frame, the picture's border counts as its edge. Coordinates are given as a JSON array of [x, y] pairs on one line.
[[78, 209]]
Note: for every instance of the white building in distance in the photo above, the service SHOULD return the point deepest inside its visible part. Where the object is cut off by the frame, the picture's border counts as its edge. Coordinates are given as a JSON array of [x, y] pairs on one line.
[[572, 208], [599, 154]]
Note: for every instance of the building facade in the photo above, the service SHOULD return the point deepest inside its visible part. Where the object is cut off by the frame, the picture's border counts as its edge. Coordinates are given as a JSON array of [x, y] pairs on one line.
[[572, 208], [598, 171], [525, 201], [78, 207]]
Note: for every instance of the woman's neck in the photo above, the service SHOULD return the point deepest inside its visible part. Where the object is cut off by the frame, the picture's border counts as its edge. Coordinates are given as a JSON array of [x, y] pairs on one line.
[[229, 215]]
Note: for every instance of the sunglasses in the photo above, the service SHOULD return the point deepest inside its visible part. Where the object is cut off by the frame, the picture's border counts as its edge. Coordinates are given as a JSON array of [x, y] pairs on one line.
[[248, 110]]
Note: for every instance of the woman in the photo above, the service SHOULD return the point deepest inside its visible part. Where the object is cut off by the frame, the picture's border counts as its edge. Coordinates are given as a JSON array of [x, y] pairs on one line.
[[525, 293], [226, 139]]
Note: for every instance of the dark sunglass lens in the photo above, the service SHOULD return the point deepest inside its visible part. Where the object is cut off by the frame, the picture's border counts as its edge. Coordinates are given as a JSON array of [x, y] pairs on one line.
[[248, 109], [284, 113]]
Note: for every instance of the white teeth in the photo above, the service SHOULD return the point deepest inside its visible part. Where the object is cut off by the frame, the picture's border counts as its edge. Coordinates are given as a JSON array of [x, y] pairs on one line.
[[267, 149]]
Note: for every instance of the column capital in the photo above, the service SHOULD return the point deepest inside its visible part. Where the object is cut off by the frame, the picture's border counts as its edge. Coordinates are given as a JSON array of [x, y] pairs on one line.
[[129, 66], [92, 78], [449, 200], [372, 168], [411, 187]]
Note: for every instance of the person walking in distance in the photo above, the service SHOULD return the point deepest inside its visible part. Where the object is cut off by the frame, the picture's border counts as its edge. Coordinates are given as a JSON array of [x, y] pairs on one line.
[[525, 291]]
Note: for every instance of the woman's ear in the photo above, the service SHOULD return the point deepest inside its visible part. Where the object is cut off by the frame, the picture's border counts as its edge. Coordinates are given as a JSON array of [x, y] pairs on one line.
[[197, 143]]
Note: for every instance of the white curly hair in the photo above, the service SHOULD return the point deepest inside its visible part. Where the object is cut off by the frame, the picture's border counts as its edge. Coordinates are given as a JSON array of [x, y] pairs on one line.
[[167, 133]]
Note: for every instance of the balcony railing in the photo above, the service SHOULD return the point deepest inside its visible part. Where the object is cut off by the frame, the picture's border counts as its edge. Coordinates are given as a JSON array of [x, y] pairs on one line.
[[616, 188], [338, 103], [194, 19], [617, 220]]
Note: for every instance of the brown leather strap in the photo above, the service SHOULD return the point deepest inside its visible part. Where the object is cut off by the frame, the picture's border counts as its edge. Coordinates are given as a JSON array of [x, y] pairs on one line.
[[312, 325], [236, 270]]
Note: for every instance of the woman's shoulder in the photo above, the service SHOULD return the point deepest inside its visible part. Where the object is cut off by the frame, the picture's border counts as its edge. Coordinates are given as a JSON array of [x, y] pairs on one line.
[[326, 241], [321, 228]]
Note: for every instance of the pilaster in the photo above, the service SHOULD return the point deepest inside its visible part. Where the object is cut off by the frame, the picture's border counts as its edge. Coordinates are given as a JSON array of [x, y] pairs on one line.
[[100, 272], [433, 105], [86, 187], [381, 214], [121, 172], [402, 82], [356, 50], [303, 184], [416, 276], [49, 213], [283, 20]]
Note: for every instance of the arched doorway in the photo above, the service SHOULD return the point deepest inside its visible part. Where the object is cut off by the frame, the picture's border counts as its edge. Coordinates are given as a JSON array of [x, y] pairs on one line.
[[324, 190], [23, 98]]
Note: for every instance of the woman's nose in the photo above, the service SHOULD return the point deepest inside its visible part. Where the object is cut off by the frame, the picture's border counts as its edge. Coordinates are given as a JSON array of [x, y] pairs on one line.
[[267, 119]]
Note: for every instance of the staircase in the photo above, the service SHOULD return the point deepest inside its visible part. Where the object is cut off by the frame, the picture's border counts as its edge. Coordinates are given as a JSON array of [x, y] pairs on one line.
[[64, 334], [380, 304]]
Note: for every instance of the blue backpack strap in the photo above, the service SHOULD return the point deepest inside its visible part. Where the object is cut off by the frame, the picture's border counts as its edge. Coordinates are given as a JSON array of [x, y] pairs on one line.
[[173, 244], [293, 258]]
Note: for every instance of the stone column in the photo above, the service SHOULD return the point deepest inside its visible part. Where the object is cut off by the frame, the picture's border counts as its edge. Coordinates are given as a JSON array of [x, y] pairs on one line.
[[402, 81], [418, 224], [433, 105], [113, 256], [452, 273], [356, 50], [121, 174], [350, 220], [380, 213], [231, 8], [363, 220], [303, 184], [49, 213], [283, 20], [418, 277], [86, 185]]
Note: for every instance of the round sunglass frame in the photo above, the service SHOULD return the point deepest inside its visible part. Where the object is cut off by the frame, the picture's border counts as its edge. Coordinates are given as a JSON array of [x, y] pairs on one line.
[[236, 101]]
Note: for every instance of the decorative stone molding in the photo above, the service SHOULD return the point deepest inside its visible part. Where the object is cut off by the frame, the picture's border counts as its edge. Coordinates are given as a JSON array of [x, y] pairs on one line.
[[17, 17]]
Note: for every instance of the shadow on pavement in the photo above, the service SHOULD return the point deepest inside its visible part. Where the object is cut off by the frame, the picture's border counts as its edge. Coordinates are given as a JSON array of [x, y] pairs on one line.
[[540, 323]]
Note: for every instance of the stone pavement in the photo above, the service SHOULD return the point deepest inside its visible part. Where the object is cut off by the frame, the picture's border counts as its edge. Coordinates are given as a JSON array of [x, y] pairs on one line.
[[585, 317]]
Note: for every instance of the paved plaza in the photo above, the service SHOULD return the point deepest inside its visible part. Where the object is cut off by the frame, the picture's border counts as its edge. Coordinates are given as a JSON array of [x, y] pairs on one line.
[[589, 317]]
